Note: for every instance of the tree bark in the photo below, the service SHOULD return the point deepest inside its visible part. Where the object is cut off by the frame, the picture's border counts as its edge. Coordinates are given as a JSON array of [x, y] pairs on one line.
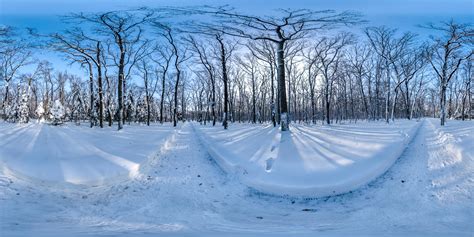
[[225, 79], [443, 103], [282, 89], [121, 78], [91, 91], [99, 80]]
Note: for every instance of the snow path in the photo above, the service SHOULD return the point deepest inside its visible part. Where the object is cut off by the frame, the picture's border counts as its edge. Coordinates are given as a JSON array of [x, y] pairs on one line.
[[182, 192]]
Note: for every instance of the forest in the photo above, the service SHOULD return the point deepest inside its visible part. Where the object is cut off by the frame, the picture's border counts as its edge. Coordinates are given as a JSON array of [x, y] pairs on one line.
[[221, 66]]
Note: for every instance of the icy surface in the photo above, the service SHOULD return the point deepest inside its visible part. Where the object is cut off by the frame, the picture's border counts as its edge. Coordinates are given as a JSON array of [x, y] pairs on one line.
[[180, 191], [308, 161]]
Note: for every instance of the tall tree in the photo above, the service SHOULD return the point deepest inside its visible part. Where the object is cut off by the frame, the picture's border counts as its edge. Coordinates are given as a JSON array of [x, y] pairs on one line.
[[15, 53], [203, 54], [163, 60], [329, 54], [389, 48], [179, 57], [150, 82], [126, 30], [288, 25], [447, 53], [83, 49]]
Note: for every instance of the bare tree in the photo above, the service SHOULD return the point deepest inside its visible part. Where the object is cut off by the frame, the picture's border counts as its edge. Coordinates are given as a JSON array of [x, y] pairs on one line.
[[389, 48], [447, 53], [329, 54], [83, 49], [291, 25], [15, 53], [164, 59], [224, 54], [150, 82], [357, 61], [249, 65], [126, 30], [410, 64], [467, 96], [180, 56], [203, 55], [265, 51]]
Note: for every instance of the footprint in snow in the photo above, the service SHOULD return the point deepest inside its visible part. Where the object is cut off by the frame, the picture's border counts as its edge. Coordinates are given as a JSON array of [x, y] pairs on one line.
[[269, 164], [273, 148]]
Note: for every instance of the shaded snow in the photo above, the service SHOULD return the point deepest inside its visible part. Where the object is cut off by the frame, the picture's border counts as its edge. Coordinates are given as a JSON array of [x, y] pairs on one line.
[[77, 154], [308, 161]]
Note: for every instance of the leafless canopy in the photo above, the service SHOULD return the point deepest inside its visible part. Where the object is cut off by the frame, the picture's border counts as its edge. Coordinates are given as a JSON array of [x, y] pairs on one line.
[[288, 24]]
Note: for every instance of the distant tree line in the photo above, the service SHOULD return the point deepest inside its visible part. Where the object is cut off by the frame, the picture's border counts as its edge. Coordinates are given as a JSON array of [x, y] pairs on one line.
[[217, 65]]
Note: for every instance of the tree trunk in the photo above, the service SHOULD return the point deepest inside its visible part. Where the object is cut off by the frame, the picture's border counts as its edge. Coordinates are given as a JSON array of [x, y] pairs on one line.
[[213, 105], [364, 98], [224, 78], [254, 101], [178, 75], [91, 91], [5, 101], [163, 79], [394, 104], [147, 99], [99, 80], [443, 103], [282, 89], [387, 100], [407, 98], [120, 85], [326, 96], [272, 94]]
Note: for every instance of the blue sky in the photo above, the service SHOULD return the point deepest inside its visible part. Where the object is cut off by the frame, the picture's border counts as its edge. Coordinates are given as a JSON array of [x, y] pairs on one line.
[[402, 14]]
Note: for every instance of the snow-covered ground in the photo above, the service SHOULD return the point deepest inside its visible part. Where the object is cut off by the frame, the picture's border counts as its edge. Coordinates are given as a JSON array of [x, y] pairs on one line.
[[77, 154], [181, 191], [311, 161]]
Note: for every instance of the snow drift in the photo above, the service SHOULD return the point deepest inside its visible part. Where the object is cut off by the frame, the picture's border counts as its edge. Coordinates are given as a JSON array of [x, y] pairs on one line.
[[311, 161]]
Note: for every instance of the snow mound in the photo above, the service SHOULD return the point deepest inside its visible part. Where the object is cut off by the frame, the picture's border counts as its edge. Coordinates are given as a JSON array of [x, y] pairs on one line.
[[77, 154], [311, 161]]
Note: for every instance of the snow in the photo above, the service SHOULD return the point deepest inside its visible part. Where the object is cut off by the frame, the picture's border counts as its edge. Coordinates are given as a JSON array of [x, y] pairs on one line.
[[57, 112], [77, 154], [308, 161], [181, 191]]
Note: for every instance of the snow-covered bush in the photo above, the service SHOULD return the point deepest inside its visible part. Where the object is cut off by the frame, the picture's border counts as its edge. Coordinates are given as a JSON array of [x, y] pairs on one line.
[[57, 113], [40, 112], [141, 110], [77, 108], [11, 111], [130, 108], [24, 112]]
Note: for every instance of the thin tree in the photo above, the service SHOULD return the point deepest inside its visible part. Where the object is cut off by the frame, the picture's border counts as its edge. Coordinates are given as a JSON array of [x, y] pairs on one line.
[[163, 61], [179, 57]]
